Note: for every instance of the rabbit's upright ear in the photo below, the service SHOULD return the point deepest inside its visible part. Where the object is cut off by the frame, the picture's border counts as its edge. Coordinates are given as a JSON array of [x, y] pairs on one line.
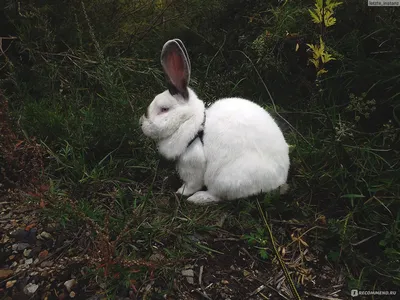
[[175, 62], [186, 54]]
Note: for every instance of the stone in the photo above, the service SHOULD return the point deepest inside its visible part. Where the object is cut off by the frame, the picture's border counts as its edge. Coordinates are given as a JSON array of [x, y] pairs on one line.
[[27, 252], [10, 284], [30, 289], [70, 284], [20, 246]]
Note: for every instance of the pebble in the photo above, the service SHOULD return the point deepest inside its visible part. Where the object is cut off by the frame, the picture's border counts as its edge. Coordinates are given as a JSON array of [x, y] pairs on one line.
[[10, 284], [46, 235], [189, 274], [44, 274], [30, 289], [47, 263], [27, 252], [20, 246], [190, 280], [28, 261], [21, 268], [4, 239], [72, 294], [224, 281], [70, 284]]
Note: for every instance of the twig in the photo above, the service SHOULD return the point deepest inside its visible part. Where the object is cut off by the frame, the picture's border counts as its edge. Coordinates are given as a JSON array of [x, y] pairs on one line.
[[215, 55], [289, 279], [257, 290], [201, 275], [248, 254], [364, 240], [304, 233], [272, 288], [321, 296], [202, 293]]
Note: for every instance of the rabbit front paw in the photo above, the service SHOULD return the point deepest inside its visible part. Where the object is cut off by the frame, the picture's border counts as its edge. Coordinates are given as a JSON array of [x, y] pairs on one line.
[[203, 198], [186, 190]]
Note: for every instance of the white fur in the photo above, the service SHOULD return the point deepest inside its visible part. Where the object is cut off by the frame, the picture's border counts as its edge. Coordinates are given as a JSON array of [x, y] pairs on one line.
[[244, 151]]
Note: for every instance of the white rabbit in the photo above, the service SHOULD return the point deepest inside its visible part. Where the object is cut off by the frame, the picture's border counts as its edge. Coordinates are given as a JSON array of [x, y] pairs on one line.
[[234, 147]]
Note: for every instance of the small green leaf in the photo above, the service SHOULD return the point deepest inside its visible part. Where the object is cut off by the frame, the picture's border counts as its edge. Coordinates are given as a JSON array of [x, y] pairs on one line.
[[333, 255], [263, 254]]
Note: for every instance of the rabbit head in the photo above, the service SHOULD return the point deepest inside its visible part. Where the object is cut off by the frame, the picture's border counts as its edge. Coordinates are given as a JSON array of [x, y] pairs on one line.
[[172, 117]]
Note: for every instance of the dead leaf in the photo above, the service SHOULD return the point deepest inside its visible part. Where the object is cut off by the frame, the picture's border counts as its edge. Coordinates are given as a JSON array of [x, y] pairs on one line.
[[44, 188], [42, 203], [33, 194], [10, 284], [43, 254], [18, 144], [30, 226], [303, 242], [322, 219]]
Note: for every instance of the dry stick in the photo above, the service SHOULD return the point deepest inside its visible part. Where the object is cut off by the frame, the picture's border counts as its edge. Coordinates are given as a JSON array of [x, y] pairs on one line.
[[202, 293], [215, 55], [304, 233], [1, 44], [364, 240], [3, 52], [321, 296], [201, 275], [282, 264], [271, 287]]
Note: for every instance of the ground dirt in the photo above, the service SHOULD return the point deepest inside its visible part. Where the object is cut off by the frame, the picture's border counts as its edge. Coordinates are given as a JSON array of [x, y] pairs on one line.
[[43, 261]]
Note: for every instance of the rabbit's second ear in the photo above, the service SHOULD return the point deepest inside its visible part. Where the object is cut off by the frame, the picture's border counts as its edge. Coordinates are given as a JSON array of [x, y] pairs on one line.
[[176, 66]]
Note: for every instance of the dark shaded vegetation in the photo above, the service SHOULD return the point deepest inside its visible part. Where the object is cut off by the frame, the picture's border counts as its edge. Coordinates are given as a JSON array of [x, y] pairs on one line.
[[78, 74]]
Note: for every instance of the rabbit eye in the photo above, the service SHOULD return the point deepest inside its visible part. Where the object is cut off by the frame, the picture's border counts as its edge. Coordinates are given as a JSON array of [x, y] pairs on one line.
[[164, 109]]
